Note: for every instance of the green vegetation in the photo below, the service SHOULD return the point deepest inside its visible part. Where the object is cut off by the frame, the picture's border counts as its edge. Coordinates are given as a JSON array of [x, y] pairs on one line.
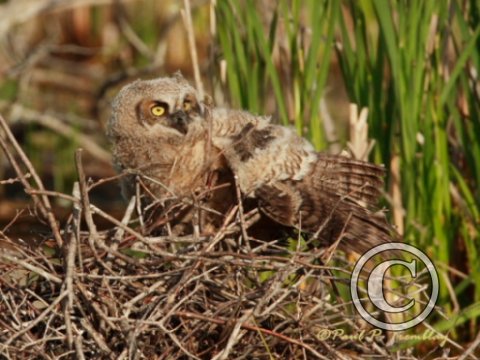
[[301, 73], [415, 66]]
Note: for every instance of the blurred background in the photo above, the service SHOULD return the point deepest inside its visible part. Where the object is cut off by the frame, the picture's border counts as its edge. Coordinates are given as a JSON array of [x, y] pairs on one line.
[[413, 64]]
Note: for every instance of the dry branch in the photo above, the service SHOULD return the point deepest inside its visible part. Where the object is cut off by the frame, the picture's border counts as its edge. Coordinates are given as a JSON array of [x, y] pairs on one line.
[[43, 202]]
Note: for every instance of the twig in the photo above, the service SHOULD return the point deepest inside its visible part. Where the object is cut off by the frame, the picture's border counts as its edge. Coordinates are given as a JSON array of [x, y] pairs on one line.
[[331, 249], [79, 348], [241, 215], [473, 346], [14, 180], [172, 336], [95, 306], [125, 220], [71, 245], [447, 339], [53, 194], [93, 237], [96, 336], [138, 203], [136, 234], [188, 314], [87, 214], [31, 267], [38, 319], [234, 336], [21, 176], [46, 207]]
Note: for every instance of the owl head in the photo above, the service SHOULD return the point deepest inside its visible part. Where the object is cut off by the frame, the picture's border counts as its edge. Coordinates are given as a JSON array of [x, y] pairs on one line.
[[167, 106]]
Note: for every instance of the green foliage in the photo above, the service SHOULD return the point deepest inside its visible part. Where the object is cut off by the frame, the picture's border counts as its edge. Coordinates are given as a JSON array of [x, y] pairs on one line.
[[415, 65], [296, 75], [403, 77]]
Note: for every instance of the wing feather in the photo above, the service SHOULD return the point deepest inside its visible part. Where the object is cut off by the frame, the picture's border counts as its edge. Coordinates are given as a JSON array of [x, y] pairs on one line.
[[322, 211], [297, 187]]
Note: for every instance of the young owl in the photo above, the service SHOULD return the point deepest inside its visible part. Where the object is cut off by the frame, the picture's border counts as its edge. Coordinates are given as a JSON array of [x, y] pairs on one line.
[[184, 148]]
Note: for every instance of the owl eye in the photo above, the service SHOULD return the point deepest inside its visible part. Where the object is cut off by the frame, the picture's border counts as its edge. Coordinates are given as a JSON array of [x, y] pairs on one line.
[[187, 106], [158, 110]]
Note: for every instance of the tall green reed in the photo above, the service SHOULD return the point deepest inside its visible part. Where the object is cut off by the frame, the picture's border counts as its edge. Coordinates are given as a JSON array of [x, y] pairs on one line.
[[415, 66], [412, 74], [259, 63]]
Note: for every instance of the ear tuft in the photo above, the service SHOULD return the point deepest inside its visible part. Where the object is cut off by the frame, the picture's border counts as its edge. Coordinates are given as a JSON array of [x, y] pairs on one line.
[[177, 75]]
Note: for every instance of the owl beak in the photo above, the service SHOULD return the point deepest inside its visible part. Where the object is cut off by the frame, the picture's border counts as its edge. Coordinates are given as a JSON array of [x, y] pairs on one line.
[[179, 120]]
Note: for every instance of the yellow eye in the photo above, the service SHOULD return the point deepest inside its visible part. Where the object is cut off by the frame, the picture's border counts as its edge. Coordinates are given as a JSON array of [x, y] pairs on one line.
[[187, 106], [157, 110]]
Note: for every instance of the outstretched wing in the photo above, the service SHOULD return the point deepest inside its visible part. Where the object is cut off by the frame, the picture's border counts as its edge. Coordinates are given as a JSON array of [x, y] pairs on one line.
[[335, 200], [353, 179], [329, 195]]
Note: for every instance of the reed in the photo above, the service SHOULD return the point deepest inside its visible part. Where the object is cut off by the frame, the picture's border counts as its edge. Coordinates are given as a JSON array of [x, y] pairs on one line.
[[414, 66]]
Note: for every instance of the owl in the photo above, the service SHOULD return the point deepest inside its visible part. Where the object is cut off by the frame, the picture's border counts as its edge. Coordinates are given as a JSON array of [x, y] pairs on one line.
[[185, 148]]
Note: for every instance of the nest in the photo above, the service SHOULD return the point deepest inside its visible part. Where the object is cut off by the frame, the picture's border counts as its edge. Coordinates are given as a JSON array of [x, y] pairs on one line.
[[122, 293]]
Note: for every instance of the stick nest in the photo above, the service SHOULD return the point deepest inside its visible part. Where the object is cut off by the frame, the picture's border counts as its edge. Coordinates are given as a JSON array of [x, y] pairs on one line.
[[122, 293]]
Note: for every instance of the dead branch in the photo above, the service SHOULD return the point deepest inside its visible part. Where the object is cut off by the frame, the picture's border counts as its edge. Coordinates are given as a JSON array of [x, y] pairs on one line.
[[44, 203]]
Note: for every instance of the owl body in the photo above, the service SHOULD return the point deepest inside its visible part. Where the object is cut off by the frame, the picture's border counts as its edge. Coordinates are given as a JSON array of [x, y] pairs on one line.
[[185, 147], [261, 153], [176, 172]]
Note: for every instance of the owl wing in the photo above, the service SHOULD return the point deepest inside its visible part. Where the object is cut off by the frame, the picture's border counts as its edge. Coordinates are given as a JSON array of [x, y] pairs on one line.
[[352, 179], [296, 186], [336, 199]]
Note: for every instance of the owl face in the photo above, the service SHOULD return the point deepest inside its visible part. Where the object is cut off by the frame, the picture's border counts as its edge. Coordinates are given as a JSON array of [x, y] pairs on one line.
[[168, 106], [176, 115]]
